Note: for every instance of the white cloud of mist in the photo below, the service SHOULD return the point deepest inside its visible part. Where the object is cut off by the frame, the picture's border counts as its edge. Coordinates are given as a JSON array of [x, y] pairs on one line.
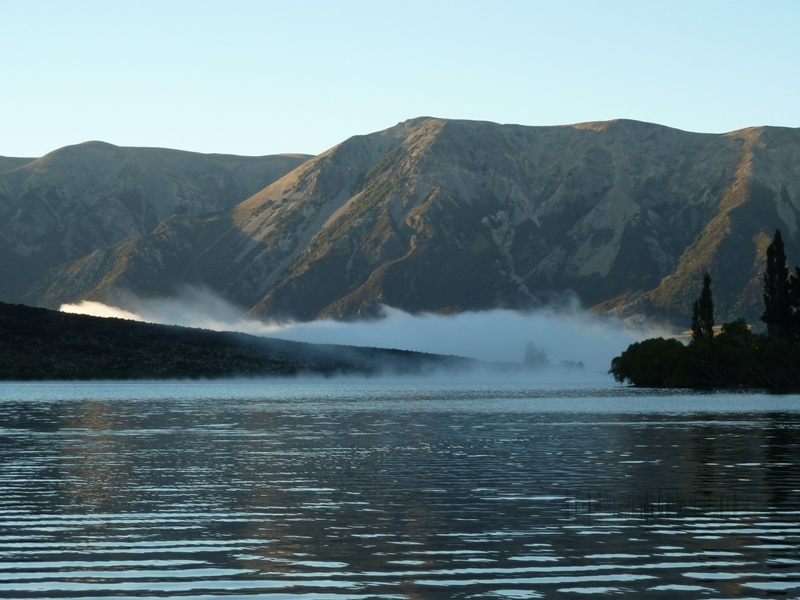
[[494, 335], [568, 334], [98, 309], [193, 307]]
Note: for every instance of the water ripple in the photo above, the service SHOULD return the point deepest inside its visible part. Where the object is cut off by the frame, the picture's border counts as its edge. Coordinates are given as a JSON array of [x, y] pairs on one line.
[[388, 492]]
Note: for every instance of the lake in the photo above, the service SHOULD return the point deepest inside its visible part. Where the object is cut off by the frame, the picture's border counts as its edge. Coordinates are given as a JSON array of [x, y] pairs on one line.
[[333, 490]]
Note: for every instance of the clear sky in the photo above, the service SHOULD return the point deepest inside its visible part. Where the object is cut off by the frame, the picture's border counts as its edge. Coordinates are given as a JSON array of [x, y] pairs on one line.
[[265, 77]]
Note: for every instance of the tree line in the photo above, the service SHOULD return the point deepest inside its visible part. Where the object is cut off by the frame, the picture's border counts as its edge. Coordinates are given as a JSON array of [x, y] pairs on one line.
[[731, 356]]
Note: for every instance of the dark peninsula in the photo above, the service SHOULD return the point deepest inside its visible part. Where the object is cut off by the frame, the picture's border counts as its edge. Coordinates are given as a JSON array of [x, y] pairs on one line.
[[41, 344]]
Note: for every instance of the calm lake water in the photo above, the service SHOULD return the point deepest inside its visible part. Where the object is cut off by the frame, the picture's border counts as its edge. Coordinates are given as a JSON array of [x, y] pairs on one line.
[[356, 490]]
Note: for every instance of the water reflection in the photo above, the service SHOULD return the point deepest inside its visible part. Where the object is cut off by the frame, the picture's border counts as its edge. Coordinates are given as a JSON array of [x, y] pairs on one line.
[[394, 491]]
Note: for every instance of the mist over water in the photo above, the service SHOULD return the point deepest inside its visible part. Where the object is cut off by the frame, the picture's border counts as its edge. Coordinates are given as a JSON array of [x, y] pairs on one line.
[[495, 335], [568, 334]]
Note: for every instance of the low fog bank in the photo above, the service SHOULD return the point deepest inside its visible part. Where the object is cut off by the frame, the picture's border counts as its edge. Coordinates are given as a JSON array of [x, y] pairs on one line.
[[563, 340], [560, 342]]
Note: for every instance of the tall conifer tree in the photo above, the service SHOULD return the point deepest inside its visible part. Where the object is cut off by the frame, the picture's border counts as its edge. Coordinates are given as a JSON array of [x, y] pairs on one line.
[[794, 297], [703, 313], [777, 298]]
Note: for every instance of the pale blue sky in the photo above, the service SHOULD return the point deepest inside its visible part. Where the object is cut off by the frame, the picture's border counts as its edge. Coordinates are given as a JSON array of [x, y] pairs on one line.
[[262, 77]]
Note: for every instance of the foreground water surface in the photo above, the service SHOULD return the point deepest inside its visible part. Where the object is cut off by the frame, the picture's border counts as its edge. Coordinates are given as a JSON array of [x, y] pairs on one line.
[[344, 490]]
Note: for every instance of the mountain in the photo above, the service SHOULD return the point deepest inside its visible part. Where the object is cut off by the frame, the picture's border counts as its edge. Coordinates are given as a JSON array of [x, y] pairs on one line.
[[61, 207], [8, 163], [445, 216]]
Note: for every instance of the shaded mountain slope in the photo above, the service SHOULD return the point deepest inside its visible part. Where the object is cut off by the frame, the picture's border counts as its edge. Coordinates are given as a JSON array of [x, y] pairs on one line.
[[37, 343], [7, 163], [445, 216], [63, 206]]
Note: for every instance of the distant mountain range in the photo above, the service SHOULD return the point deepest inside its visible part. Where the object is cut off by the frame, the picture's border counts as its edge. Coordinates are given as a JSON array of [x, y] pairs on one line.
[[430, 215]]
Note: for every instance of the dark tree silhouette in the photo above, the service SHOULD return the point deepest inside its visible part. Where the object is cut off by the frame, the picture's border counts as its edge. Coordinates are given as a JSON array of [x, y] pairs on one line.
[[777, 298], [734, 358], [703, 313], [655, 362], [794, 299]]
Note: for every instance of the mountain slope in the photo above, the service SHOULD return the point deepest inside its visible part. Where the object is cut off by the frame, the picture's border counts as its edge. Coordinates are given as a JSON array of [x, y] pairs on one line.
[[7, 163], [439, 215], [41, 344], [63, 206], [474, 215]]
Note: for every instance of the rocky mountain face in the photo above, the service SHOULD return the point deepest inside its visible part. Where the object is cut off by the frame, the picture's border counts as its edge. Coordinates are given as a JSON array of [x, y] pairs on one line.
[[62, 207], [438, 215]]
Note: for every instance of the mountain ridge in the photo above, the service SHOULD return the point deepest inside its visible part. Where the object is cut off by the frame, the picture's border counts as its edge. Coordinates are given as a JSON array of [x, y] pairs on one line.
[[438, 215], [64, 206]]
